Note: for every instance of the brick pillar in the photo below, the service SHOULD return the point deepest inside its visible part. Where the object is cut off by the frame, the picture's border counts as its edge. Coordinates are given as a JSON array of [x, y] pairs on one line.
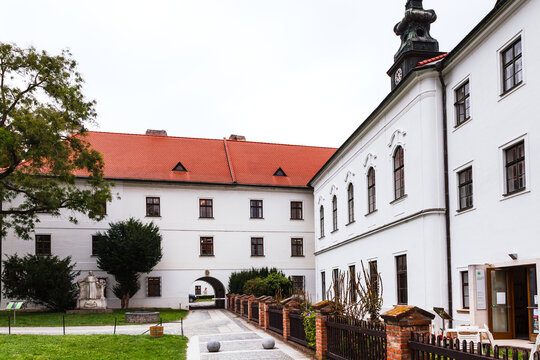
[[250, 300], [286, 322], [261, 314], [400, 322], [321, 341]]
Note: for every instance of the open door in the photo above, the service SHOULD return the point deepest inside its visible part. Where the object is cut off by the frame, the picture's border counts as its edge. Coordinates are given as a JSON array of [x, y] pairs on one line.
[[532, 303], [500, 303]]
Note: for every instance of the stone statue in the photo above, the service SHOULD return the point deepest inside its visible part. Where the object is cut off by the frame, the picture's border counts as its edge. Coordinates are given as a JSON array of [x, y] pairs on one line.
[[92, 293]]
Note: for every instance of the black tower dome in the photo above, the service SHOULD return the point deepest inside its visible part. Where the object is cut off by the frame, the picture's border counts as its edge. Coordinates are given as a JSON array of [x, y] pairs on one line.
[[416, 42]]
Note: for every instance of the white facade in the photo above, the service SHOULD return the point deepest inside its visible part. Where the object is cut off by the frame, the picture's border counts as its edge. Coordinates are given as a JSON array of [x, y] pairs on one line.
[[482, 237], [181, 228]]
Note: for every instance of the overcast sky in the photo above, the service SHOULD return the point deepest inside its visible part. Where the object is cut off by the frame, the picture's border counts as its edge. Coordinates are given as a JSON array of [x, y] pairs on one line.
[[287, 71]]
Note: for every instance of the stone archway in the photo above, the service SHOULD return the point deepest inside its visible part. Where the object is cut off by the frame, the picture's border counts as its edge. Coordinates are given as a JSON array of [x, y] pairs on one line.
[[219, 290]]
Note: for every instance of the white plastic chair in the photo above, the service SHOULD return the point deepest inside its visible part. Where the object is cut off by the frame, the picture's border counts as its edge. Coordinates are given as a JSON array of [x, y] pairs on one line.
[[489, 336], [535, 348]]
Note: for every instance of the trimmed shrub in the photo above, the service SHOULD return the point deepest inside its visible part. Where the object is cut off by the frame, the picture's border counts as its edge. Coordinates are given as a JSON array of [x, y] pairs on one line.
[[278, 283], [256, 287], [237, 280]]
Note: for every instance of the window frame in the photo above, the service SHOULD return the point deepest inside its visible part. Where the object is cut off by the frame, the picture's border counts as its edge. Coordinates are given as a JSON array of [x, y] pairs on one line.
[[95, 239], [297, 247], [297, 212], [462, 101], [206, 208], [321, 221], [323, 285], [515, 162], [352, 282], [399, 170], [512, 62], [153, 278], [334, 214], [372, 192], [465, 184], [39, 241], [335, 282], [374, 272], [257, 245], [294, 280], [401, 275], [256, 208], [203, 244], [150, 207], [465, 292], [350, 202]]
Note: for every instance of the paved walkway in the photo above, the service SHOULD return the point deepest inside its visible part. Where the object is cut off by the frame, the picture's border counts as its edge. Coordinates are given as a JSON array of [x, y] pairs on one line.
[[239, 340]]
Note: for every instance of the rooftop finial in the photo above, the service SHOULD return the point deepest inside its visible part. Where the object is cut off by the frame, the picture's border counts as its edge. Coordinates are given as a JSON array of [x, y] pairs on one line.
[[414, 4]]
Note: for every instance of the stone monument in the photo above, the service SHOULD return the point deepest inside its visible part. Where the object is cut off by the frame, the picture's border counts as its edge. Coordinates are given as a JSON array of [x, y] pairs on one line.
[[92, 295]]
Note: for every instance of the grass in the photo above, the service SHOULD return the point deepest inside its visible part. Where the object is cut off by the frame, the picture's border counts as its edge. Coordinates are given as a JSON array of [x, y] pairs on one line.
[[25, 319], [95, 347], [204, 300]]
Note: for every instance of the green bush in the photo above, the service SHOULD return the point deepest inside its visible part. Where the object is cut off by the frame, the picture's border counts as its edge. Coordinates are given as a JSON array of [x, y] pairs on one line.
[[44, 280], [237, 280], [309, 327], [278, 283], [256, 287]]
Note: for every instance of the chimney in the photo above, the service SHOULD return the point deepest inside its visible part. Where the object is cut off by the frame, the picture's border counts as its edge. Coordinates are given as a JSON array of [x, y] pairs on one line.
[[156, 132], [237, 137]]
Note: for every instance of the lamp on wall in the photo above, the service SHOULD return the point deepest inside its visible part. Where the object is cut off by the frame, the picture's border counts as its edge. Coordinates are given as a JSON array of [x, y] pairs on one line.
[[513, 256]]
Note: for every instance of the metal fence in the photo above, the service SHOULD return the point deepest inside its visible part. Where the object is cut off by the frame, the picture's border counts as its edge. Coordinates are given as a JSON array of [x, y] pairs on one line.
[[275, 319], [352, 339], [237, 307], [424, 347], [245, 309], [255, 312], [296, 326]]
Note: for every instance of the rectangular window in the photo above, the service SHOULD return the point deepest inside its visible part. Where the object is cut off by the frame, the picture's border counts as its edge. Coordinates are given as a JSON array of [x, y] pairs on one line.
[[401, 276], [322, 221], [465, 189], [372, 204], [374, 274], [197, 289], [463, 104], [207, 246], [335, 282], [515, 168], [512, 63], [323, 285], [298, 284], [465, 289], [206, 209], [257, 248], [43, 245], [95, 240], [297, 247], [352, 282], [154, 286], [296, 210], [256, 209], [152, 207]]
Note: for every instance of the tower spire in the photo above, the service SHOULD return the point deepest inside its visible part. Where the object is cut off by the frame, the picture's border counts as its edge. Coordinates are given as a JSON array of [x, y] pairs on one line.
[[416, 42]]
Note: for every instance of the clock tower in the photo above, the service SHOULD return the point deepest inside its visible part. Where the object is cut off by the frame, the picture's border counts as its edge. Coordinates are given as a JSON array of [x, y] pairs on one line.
[[416, 42]]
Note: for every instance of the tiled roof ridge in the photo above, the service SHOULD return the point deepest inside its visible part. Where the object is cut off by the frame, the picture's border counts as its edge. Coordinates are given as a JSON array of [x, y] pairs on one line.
[[208, 139], [433, 59], [229, 162]]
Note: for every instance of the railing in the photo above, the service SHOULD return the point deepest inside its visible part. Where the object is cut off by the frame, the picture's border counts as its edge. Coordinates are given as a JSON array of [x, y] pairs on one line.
[[255, 312], [275, 319], [245, 309], [352, 339], [437, 348], [296, 326], [237, 307]]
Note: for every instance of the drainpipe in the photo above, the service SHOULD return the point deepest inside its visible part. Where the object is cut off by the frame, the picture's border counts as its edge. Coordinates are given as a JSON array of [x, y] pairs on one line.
[[440, 67]]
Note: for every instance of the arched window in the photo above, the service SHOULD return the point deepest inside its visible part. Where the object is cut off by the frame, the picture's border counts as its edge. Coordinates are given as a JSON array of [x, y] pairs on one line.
[[372, 205], [334, 212], [322, 220], [350, 197], [399, 173]]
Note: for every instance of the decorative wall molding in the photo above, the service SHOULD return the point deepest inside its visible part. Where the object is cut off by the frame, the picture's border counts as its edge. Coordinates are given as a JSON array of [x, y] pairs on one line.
[[397, 139], [333, 190], [321, 200], [369, 162], [349, 177]]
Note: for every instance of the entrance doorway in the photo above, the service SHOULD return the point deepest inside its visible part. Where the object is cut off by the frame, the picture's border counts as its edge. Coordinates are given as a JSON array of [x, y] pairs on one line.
[[513, 302], [218, 290]]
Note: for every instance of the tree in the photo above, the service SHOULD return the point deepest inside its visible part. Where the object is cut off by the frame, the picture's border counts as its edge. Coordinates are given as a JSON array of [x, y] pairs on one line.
[[44, 280], [126, 250], [43, 118]]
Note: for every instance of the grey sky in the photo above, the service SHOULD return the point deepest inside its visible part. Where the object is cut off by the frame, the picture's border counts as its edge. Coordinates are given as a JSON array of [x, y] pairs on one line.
[[289, 71]]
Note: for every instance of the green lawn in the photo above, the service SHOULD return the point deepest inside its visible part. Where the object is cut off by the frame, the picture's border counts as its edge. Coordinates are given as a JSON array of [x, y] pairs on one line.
[[204, 300], [95, 347], [55, 319]]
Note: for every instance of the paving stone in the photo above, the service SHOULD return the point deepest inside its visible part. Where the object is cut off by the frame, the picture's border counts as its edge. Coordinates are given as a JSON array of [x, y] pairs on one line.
[[248, 355], [229, 337]]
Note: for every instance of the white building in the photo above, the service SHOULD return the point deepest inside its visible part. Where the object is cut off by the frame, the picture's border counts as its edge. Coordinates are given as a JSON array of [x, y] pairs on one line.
[[221, 206], [481, 99]]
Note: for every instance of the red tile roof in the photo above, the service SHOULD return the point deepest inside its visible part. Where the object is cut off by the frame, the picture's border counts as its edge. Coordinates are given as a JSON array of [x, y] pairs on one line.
[[150, 157], [432, 60]]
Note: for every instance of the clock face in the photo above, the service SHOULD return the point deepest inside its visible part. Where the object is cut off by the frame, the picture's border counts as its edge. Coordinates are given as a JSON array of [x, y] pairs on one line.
[[398, 76]]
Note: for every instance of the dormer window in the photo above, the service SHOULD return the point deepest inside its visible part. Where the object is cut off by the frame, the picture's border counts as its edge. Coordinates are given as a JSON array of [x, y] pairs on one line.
[[179, 167], [280, 172]]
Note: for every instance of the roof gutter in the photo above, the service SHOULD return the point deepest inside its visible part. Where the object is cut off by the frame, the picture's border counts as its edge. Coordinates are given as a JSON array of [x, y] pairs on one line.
[[439, 67]]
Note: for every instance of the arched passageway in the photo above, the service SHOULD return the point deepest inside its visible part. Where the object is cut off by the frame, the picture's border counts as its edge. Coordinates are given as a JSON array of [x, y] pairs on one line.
[[219, 290]]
